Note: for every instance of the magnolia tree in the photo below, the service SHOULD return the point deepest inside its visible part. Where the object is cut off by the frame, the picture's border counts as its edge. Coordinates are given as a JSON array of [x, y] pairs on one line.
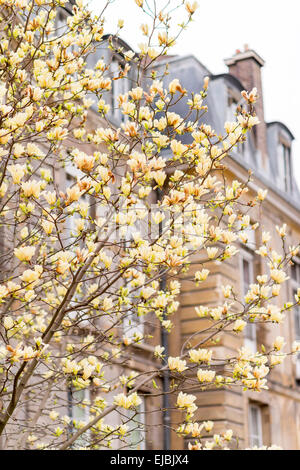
[[84, 257]]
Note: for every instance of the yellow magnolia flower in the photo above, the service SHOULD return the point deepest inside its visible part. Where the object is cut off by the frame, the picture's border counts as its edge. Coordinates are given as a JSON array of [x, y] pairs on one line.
[[212, 252], [48, 226], [205, 375], [159, 177], [296, 346], [107, 304], [84, 162], [17, 172], [175, 86], [3, 189], [175, 363], [177, 147], [73, 193], [278, 276], [281, 230], [185, 401], [50, 197], [228, 435], [127, 401], [31, 275], [261, 194], [53, 415], [3, 291], [200, 355], [32, 188], [24, 253], [275, 314], [239, 325], [191, 7], [278, 343], [8, 323], [277, 359]]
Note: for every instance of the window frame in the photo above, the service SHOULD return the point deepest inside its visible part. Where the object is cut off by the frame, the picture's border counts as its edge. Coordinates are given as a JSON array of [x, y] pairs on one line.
[[295, 283], [232, 102], [255, 439], [71, 175], [250, 331], [132, 323], [116, 89], [87, 396], [142, 430], [284, 154]]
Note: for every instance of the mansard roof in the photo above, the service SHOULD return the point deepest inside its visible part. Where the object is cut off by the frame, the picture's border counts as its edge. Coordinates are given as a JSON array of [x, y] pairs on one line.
[[283, 126], [230, 78]]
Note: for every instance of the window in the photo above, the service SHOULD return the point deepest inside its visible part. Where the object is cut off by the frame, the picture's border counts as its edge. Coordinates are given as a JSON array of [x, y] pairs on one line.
[[133, 325], [295, 271], [251, 238], [70, 234], [136, 425], [70, 219], [295, 283], [72, 175], [79, 413], [247, 276], [255, 425], [61, 21], [232, 104], [119, 86], [297, 318], [284, 167]]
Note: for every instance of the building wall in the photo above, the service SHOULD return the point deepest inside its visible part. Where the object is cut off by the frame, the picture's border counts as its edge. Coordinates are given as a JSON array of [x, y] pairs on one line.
[[280, 405]]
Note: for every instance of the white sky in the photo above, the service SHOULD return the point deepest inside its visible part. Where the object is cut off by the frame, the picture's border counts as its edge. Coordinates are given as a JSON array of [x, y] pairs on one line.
[[271, 27]]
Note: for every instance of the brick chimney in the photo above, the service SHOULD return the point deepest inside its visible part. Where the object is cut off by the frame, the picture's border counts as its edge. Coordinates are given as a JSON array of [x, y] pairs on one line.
[[246, 66]]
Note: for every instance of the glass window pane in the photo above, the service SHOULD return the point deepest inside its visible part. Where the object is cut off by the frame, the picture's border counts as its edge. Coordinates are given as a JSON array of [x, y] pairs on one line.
[[297, 319], [255, 431], [281, 167], [284, 167], [119, 86], [137, 427], [80, 413], [250, 329], [288, 174], [246, 275], [231, 108], [294, 271]]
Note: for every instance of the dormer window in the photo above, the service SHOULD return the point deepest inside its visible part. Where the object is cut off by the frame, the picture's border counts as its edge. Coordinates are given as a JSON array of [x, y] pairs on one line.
[[61, 21], [284, 166], [119, 86], [294, 283], [232, 104]]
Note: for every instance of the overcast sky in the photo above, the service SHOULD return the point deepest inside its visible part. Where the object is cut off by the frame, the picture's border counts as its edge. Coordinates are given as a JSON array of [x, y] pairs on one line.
[[271, 27]]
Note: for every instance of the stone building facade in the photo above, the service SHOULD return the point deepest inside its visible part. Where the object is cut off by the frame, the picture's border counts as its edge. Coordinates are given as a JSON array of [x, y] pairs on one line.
[[256, 418], [271, 416]]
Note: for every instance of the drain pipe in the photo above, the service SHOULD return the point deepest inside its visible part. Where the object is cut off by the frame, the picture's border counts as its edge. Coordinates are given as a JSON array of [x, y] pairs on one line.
[[165, 344]]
